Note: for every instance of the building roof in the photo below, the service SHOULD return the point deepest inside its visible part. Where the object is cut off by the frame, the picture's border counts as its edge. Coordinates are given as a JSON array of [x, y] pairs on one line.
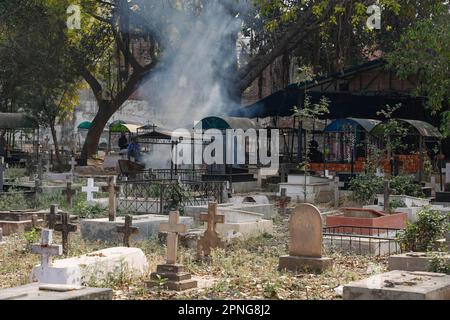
[[339, 125]]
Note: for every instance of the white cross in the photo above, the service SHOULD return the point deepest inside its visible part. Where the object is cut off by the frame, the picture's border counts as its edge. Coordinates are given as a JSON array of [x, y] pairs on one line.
[[72, 163], [47, 249], [90, 189], [379, 173], [447, 172]]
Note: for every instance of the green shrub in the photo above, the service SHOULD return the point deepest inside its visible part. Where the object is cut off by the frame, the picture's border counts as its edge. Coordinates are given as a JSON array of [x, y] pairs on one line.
[[405, 185], [86, 211], [13, 201], [439, 263], [365, 187], [31, 237], [422, 235]]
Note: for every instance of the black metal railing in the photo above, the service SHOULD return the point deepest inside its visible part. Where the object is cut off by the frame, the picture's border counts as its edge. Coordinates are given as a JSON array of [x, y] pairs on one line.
[[362, 240], [162, 196], [167, 174]]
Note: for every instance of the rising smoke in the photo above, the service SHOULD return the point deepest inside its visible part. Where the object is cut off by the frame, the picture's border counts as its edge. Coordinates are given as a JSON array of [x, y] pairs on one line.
[[198, 57]]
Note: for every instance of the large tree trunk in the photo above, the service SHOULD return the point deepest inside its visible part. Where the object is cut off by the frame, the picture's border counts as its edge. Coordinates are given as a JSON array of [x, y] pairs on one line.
[[56, 144], [93, 136]]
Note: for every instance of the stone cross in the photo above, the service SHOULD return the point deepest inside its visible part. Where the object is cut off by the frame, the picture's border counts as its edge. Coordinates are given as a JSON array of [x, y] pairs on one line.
[[2, 173], [46, 249], [173, 228], [447, 172], [305, 229], [127, 230], [210, 238], [379, 173], [65, 227], [90, 189], [52, 216], [69, 192]]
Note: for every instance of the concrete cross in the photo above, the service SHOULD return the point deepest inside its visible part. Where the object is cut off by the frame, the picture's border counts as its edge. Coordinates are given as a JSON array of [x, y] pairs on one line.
[[69, 192], [65, 227], [90, 189], [379, 173], [127, 230], [210, 238], [173, 228], [46, 249], [52, 216]]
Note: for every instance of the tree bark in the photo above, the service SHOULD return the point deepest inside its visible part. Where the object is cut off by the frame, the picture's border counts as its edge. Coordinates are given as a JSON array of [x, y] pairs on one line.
[[56, 144]]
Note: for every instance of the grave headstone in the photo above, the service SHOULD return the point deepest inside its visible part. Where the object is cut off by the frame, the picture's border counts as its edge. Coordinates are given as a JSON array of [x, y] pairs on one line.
[[174, 274], [112, 190], [65, 227], [210, 238], [47, 250], [90, 189], [127, 230], [72, 163], [305, 250]]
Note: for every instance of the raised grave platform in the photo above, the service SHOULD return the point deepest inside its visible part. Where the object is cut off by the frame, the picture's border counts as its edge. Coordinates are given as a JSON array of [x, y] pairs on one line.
[[414, 261], [36, 291], [105, 230], [400, 285]]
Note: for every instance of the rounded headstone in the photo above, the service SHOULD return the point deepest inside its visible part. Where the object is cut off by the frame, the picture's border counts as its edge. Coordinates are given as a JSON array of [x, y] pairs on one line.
[[305, 229]]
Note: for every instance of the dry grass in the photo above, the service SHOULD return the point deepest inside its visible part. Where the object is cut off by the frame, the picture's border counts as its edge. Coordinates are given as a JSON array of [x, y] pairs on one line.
[[244, 270]]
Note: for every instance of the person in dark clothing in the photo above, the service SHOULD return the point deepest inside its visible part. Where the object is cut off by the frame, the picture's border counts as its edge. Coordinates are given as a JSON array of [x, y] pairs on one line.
[[123, 142], [134, 151], [314, 154]]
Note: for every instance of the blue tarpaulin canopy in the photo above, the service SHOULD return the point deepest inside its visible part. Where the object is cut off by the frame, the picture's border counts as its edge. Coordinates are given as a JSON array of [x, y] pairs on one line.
[[340, 125]]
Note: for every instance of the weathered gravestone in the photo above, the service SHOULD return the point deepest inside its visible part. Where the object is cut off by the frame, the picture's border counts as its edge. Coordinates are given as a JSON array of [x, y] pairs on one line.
[[305, 250], [175, 276], [127, 230], [65, 227], [112, 190], [47, 250], [210, 238]]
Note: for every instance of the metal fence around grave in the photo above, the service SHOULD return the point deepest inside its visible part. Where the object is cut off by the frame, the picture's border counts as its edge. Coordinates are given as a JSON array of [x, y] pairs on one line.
[[161, 196], [168, 174], [362, 240]]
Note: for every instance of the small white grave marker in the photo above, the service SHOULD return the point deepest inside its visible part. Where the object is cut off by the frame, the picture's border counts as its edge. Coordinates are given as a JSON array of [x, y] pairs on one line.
[[90, 189], [46, 249]]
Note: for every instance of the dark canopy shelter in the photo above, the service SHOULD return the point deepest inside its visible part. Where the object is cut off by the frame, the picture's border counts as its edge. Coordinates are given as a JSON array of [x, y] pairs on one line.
[[223, 123], [86, 125]]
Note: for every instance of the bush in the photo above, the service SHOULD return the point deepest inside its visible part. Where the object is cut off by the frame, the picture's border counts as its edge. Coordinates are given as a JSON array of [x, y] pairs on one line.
[[405, 185], [422, 235], [13, 201], [365, 187], [85, 210]]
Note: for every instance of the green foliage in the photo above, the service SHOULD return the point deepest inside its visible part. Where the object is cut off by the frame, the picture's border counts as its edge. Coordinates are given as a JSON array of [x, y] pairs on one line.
[[424, 52], [365, 187], [438, 263], [13, 201], [85, 210], [31, 237], [396, 203], [405, 185], [422, 235]]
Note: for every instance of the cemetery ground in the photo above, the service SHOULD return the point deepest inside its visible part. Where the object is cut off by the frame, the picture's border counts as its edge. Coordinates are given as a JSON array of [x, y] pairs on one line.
[[244, 270]]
